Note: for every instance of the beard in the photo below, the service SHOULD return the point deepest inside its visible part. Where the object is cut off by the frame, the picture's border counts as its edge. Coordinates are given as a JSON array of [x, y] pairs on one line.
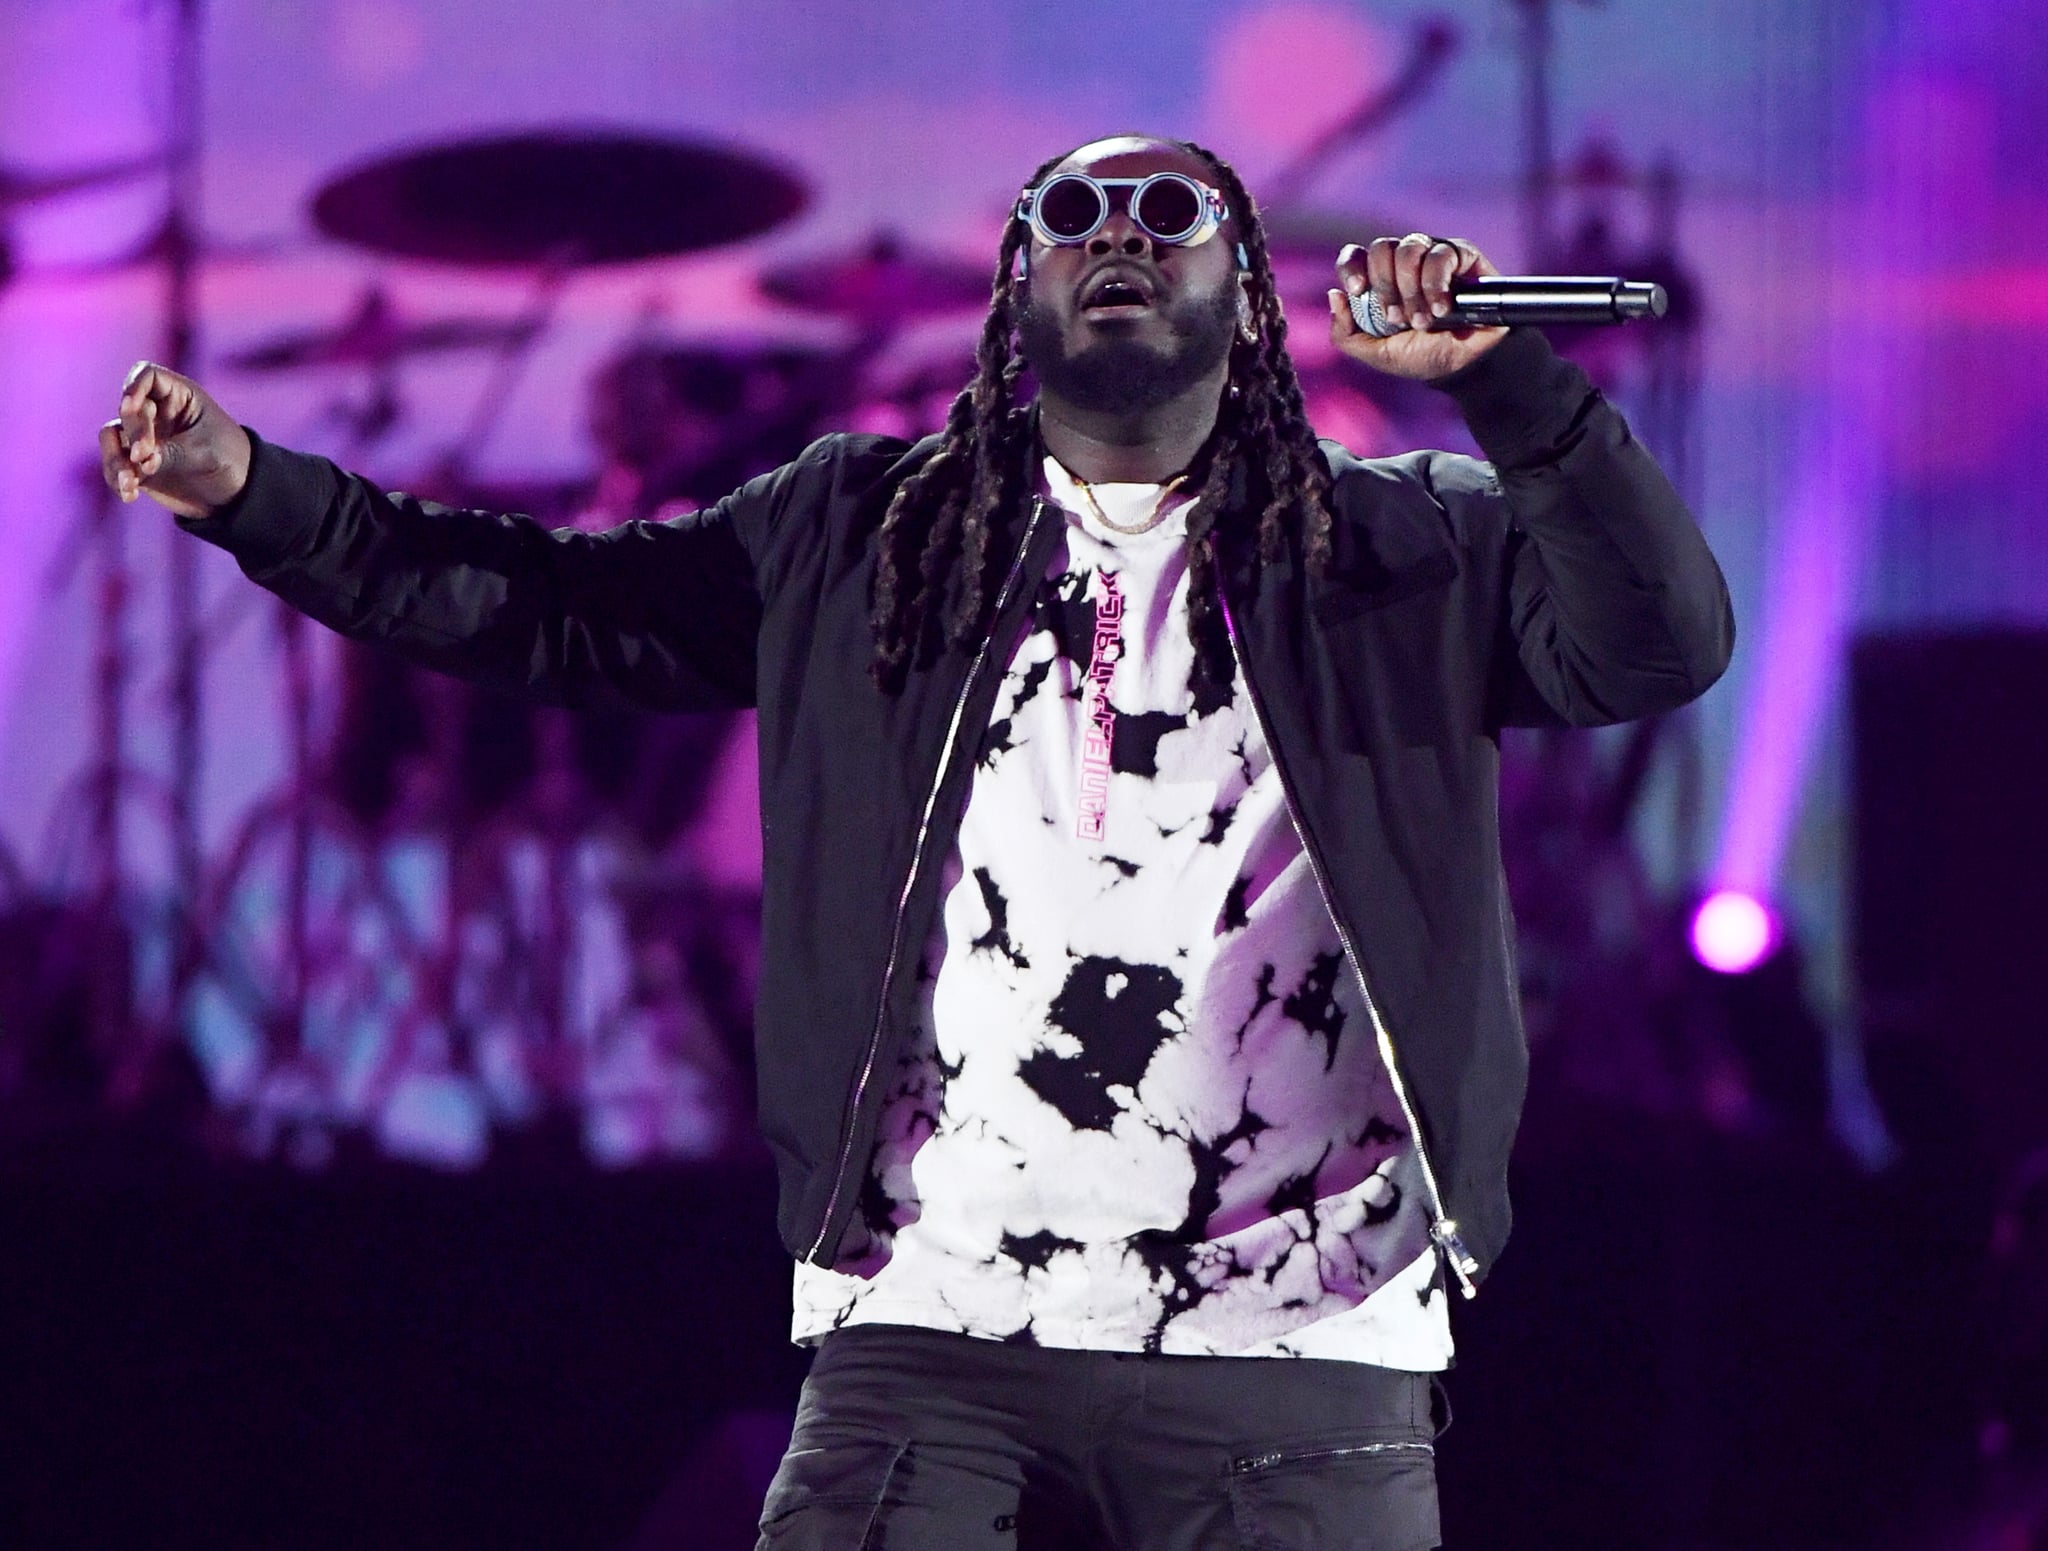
[[1115, 374]]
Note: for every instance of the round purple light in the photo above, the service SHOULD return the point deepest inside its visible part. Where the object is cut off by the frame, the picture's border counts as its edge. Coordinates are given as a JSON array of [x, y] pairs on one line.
[[1733, 932]]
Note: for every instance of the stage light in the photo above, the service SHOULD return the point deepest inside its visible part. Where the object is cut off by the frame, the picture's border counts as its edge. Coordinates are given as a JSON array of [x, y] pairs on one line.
[[1733, 932], [1812, 565]]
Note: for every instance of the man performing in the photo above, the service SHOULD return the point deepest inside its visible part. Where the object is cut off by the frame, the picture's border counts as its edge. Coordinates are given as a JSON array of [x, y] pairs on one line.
[[1138, 1037]]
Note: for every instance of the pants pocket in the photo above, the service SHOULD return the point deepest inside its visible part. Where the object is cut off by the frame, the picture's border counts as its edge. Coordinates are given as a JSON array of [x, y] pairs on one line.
[[1367, 1494], [829, 1496]]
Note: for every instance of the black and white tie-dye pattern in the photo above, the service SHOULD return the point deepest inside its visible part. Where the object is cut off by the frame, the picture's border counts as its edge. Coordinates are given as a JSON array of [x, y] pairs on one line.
[[1145, 1110]]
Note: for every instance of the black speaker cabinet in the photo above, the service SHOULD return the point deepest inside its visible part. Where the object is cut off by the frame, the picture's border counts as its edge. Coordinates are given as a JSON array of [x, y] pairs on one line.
[[1949, 890]]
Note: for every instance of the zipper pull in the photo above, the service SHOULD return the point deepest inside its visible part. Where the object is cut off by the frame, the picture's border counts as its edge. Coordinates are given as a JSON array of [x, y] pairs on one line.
[[1459, 1258]]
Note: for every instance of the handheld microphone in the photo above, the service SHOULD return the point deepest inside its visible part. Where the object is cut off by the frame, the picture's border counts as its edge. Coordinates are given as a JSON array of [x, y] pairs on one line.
[[1501, 300]]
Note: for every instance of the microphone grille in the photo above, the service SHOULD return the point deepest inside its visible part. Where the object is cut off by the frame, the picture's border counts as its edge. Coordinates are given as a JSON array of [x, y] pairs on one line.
[[1372, 318]]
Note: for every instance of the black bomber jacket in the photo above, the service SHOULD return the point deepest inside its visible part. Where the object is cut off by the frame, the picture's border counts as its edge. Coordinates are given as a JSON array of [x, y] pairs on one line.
[[1561, 582]]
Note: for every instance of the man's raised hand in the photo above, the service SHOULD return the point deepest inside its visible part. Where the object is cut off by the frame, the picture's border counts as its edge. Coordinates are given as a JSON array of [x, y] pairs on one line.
[[172, 442], [1413, 277]]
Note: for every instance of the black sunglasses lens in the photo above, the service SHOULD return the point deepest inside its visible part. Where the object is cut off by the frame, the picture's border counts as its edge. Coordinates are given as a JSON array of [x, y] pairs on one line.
[[1168, 208], [1069, 208]]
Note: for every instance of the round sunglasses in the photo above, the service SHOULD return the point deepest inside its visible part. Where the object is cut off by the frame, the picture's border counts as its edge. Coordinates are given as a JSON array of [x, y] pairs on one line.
[[1168, 207]]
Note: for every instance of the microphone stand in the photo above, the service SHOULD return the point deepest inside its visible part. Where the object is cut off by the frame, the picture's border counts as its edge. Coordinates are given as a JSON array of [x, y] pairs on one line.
[[109, 992]]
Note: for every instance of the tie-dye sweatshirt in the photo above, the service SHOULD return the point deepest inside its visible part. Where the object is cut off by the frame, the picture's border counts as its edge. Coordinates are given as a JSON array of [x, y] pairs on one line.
[[1144, 1110]]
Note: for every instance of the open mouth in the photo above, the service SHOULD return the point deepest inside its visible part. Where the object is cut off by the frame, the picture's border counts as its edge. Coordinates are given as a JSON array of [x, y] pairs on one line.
[[1117, 296]]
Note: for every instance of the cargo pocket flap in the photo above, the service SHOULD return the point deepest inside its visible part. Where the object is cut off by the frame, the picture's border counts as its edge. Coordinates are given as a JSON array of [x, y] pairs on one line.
[[834, 1475]]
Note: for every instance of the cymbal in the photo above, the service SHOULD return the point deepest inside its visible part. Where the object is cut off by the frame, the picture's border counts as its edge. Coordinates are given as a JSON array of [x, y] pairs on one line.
[[373, 335], [570, 197], [883, 282]]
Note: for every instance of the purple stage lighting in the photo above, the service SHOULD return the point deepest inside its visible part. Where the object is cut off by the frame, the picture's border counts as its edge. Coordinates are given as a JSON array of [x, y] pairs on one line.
[[1733, 932]]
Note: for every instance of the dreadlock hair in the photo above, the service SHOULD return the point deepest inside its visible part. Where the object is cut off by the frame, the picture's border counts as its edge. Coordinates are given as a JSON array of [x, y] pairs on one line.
[[933, 577]]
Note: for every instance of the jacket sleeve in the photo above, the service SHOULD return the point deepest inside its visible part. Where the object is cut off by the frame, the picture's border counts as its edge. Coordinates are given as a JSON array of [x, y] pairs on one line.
[[1614, 607], [661, 615]]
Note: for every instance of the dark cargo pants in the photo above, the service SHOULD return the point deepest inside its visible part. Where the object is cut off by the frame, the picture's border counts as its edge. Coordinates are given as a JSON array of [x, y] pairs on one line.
[[915, 1440]]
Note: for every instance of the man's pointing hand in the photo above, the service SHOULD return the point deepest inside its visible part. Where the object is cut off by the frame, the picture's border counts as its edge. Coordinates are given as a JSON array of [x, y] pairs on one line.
[[172, 442]]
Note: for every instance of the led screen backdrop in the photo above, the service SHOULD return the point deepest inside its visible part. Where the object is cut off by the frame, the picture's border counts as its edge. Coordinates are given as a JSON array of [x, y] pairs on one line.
[[1855, 194]]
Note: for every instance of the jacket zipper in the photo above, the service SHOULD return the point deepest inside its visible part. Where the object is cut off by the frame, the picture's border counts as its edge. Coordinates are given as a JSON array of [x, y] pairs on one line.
[[924, 825], [1443, 1229], [1247, 1463]]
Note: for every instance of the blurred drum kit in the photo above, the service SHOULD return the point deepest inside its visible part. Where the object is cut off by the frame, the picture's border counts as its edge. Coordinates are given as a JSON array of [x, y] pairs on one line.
[[492, 902], [453, 889]]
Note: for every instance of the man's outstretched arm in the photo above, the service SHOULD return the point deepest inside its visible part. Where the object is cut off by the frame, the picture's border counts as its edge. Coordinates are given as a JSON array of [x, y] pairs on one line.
[[662, 615]]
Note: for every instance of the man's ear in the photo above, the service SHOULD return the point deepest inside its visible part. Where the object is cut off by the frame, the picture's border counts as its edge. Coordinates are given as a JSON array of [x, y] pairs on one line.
[[1247, 325]]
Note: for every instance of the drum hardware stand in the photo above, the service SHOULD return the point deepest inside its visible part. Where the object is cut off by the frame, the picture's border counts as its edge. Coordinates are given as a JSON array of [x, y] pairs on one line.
[[556, 959], [99, 531], [508, 366], [290, 1024], [1672, 391], [549, 955], [109, 991], [1539, 161], [287, 1026], [281, 1006], [181, 312]]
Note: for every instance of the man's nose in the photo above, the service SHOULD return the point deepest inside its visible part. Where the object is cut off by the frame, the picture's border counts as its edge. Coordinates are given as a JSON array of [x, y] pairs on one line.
[[1119, 234]]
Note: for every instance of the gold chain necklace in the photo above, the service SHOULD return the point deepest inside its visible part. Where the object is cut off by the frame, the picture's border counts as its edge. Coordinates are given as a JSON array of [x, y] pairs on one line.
[[1151, 522]]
